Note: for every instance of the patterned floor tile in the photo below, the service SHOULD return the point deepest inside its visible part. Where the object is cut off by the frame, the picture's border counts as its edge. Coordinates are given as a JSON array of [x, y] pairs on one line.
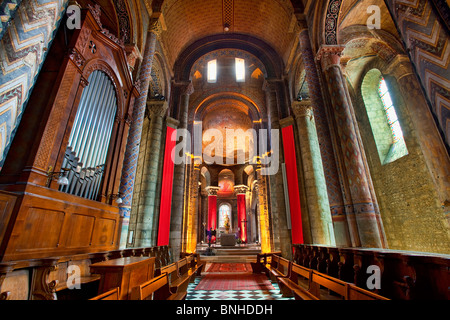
[[260, 295]]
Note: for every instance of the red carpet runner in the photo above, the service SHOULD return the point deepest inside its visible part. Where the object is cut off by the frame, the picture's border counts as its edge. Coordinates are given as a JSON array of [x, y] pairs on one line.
[[230, 267], [233, 276]]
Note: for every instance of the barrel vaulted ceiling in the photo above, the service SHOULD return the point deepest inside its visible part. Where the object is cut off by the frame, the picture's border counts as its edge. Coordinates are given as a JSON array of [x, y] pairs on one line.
[[191, 20]]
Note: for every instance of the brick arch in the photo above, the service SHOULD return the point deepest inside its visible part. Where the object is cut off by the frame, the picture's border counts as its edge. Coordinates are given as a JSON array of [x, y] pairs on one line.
[[269, 58], [199, 107]]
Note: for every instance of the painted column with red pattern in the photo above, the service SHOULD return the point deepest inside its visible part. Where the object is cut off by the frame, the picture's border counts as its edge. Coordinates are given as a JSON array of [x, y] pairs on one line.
[[366, 214]]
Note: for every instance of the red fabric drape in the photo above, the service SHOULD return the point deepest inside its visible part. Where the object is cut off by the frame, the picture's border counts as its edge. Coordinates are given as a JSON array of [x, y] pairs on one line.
[[242, 215], [212, 212], [166, 190], [292, 182]]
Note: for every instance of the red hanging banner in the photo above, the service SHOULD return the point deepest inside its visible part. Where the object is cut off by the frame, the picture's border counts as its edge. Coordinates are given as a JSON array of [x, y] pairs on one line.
[[292, 182], [242, 217], [166, 190]]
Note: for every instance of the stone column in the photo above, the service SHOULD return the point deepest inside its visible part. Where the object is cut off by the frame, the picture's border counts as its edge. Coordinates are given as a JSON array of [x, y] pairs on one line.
[[191, 223], [367, 218], [147, 215], [320, 221], [281, 235], [185, 89], [134, 135], [328, 158], [431, 143], [241, 190], [263, 207]]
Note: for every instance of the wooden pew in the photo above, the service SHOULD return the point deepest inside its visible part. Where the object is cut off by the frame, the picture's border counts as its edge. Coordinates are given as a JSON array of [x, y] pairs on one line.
[[176, 283], [281, 269], [271, 263], [184, 270], [112, 294], [157, 288], [297, 284], [345, 290], [192, 267], [262, 260], [356, 293], [334, 286]]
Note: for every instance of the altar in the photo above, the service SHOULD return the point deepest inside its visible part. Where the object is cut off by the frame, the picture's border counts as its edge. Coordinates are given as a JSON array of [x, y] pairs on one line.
[[227, 239]]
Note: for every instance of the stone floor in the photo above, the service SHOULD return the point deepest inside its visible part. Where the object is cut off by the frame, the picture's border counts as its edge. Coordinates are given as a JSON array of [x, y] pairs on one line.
[[193, 294]]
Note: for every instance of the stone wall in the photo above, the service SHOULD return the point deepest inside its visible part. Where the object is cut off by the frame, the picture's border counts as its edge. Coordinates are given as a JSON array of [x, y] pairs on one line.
[[408, 200]]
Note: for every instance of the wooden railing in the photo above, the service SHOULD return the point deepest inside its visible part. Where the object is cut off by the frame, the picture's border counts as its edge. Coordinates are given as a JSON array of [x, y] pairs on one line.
[[49, 279], [403, 275]]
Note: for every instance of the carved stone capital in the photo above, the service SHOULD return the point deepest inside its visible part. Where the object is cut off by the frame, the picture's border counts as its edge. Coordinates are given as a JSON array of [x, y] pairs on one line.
[[157, 108], [157, 24], [212, 191], [240, 189], [173, 123], [185, 87], [301, 22], [303, 109], [286, 122], [270, 85], [330, 55]]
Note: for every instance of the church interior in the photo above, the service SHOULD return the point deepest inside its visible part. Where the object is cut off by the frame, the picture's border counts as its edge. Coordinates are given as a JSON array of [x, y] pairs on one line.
[[224, 149]]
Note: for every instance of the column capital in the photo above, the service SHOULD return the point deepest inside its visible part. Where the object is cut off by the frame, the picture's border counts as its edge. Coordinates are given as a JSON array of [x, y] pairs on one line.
[[157, 108], [157, 24], [173, 123], [286, 122], [330, 55], [301, 22], [270, 84], [240, 189], [185, 87], [212, 191], [303, 109]]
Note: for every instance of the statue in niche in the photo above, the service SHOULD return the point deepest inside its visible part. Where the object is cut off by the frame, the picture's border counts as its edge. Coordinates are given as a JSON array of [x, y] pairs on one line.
[[226, 223]]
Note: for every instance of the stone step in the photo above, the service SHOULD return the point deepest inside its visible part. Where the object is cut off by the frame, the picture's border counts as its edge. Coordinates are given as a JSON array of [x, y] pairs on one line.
[[228, 259]]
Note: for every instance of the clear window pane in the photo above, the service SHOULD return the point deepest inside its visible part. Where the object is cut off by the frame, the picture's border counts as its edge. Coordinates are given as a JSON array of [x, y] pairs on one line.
[[212, 71], [240, 70]]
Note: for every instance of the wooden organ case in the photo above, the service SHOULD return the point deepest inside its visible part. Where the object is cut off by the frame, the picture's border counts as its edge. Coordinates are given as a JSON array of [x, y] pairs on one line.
[[38, 217]]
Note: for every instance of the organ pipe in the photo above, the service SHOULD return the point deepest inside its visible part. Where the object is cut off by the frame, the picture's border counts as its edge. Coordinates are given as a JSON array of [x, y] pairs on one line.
[[89, 139]]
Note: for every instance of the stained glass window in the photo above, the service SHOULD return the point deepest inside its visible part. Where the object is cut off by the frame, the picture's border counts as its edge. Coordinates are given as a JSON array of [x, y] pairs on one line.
[[397, 133]]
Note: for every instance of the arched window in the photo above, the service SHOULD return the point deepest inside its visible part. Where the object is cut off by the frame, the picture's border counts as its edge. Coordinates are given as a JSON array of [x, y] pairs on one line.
[[224, 215], [383, 118], [398, 148], [212, 71]]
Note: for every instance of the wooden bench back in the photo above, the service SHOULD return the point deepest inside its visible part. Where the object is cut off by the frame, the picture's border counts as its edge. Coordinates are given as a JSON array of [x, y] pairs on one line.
[[182, 266], [109, 295], [146, 290], [356, 293], [319, 279], [274, 259], [171, 270], [283, 266], [300, 270]]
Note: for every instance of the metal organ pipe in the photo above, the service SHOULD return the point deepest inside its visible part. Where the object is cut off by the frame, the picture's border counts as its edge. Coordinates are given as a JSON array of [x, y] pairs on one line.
[[89, 140]]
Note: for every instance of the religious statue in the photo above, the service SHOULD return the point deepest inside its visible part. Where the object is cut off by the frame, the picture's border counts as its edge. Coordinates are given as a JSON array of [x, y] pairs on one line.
[[226, 223]]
